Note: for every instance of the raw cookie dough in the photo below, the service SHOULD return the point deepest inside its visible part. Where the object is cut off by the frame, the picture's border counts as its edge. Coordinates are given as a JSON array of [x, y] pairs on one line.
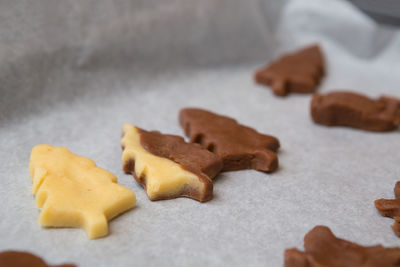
[[72, 191], [354, 110], [391, 208], [240, 147], [299, 72], [322, 248], [24, 259], [167, 166]]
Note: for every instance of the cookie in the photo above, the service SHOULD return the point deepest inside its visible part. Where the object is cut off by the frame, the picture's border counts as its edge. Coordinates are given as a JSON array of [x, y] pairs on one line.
[[322, 248], [24, 259], [299, 72], [168, 167], [354, 110], [239, 146], [391, 208], [72, 191]]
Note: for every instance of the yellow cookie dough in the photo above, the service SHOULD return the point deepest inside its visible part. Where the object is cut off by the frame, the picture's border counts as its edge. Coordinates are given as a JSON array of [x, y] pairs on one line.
[[162, 177], [72, 191]]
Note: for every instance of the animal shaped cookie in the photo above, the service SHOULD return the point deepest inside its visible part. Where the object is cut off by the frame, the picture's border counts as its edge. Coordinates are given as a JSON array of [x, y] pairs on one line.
[[322, 248], [391, 208], [341, 108]]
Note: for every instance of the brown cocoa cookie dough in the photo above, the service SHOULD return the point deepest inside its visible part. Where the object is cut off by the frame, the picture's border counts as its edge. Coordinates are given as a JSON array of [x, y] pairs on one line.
[[391, 208], [167, 166], [239, 146], [24, 259], [354, 110], [298, 72], [191, 157], [322, 248]]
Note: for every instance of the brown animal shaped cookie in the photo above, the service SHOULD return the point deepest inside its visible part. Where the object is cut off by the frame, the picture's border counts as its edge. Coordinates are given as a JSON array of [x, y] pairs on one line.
[[391, 208], [167, 166], [322, 248], [354, 110], [24, 259], [238, 146], [299, 72]]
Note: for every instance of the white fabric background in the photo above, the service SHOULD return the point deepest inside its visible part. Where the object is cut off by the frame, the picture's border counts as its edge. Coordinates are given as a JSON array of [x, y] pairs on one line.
[[72, 73]]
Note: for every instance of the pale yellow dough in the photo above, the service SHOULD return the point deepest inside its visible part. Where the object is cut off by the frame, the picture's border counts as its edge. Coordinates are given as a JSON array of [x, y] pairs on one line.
[[163, 176], [72, 191]]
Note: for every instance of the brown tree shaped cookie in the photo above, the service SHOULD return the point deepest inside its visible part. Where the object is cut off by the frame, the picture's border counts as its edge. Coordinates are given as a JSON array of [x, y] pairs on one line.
[[299, 72], [238, 146], [322, 248], [24, 259], [391, 208], [350, 109], [167, 166]]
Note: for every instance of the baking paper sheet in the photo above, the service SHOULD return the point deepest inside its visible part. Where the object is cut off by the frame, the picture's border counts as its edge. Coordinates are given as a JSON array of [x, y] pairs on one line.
[[72, 73]]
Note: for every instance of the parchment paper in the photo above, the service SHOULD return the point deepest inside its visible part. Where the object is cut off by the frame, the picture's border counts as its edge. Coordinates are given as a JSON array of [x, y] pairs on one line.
[[71, 73]]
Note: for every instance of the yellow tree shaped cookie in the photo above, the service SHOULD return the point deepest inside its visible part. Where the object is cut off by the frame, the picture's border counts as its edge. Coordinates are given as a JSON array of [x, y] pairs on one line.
[[72, 191]]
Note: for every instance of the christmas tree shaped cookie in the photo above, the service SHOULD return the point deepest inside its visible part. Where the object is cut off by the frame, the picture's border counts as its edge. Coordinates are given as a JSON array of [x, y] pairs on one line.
[[300, 72], [72, 191], [238, 146], [167, 166]]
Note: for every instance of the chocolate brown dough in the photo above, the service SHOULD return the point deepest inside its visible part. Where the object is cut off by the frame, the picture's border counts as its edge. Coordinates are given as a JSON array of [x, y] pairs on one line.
[[238, 146], [191, 157], [299, 72], [323, 249], [24, 259], [391, 208], [355, 110]]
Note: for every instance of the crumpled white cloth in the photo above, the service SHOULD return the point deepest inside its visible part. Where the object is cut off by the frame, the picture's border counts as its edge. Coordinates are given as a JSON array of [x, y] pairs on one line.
[[367, 54]]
